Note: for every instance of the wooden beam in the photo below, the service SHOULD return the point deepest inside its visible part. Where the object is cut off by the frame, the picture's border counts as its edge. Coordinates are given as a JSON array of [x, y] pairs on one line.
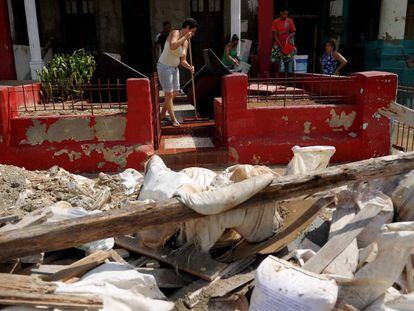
[[400, 113], [6, 219], [188, 259], [70, 233], [50, 300], [26, 284], [342, 239], [81, 266]]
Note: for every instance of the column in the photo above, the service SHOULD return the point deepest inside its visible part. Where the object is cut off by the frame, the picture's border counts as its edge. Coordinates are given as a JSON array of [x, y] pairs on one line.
[[265, 19], [36, 61], [235, 24], [7, 69], [392, 19]]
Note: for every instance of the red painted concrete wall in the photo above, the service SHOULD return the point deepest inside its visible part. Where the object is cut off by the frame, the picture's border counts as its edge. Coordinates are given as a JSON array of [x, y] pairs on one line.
[[266, 135], [87, 143], [7, 68]]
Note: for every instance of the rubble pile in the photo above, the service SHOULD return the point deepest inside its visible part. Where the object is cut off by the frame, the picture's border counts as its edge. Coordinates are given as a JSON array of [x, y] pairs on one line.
[[246, 238]]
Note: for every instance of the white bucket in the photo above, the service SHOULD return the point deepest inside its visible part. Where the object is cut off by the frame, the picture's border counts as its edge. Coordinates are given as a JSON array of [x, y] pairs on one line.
[[300, 63]]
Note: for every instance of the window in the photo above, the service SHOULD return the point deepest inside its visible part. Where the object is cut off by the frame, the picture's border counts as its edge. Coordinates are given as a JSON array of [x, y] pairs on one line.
[[79, 7], [197, 5]]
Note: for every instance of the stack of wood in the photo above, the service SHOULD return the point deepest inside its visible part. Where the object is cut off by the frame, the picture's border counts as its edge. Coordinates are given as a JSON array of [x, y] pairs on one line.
[[34, 254]]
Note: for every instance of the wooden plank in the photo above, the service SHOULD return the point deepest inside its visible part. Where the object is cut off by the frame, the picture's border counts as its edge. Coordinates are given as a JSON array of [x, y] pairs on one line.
[[70, 233], [6, 219], [80, 267], [188, 259], [192, 294], [400, 113], [47, 269], [31, 219], [116, 257], [410, 274], [24, 283], [50, 300], [284, 237], [342, 239], [166, 278]]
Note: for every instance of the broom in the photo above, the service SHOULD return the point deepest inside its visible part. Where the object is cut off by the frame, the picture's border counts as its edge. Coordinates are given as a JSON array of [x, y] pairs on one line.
[[196, 118]]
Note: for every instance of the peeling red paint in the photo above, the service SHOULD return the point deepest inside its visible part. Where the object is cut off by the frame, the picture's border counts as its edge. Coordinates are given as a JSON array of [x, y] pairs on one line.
[[271, 133]]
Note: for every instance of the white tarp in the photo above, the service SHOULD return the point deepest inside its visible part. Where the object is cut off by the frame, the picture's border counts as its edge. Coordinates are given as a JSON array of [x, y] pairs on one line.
[[63, 211], [121, 288]]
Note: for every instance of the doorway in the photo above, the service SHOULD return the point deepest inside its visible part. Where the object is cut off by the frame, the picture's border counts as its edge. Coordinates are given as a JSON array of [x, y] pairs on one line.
[[137, 35], [209, 15], [78, 26]]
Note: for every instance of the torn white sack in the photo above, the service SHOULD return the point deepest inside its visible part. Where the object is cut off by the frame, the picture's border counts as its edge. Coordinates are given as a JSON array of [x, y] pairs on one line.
[[309, 159], [131, 180], [64, 211], [121, 289], [375, 278], [279, 285]]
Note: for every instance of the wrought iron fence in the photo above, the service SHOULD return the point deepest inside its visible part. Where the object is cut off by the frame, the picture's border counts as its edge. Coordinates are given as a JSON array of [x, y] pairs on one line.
[[306, 89], [36, 99], [402, 136], [405, 95]]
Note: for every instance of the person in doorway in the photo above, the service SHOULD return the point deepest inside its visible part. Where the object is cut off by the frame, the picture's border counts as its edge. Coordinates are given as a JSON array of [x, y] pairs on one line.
[[283, 49], [230, 58], [174, 55], [161, 37], [332, 61]]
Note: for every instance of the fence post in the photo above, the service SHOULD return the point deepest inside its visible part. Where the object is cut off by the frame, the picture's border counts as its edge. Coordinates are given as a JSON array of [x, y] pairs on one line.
[[375, 90], [139, 127]]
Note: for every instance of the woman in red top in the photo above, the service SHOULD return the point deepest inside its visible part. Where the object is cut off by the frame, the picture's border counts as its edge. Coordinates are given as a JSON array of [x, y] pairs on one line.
[[283, 49]]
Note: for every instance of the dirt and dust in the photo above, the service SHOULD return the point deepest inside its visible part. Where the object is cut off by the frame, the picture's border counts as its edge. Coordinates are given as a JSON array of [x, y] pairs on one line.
[[23, 191]]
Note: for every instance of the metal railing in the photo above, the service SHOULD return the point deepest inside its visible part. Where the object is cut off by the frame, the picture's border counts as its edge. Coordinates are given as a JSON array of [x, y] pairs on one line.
[[307, 89], [402, 136], [36, 99], [405, 95]]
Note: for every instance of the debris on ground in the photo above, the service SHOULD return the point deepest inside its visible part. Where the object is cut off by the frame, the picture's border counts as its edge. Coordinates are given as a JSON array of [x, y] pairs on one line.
[[246, 238]]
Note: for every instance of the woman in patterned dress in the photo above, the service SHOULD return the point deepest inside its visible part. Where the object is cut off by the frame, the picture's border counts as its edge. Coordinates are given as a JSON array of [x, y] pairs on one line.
[[332, 61]]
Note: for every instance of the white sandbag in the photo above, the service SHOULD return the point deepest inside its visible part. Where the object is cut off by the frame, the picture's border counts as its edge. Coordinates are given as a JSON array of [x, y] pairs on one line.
[[279, 285], [219, 200], [367, 199], [131, 180], [241, 172], [375, 278], [64, 211], [346, 263], [161, 183], [392, 300], [120, 287], [309, 159], [202, 177], [205, 232], [403, 198], [260, 223]]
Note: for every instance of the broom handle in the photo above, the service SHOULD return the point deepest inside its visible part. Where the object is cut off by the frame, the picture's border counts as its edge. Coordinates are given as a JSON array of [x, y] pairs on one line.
[[192, 78]]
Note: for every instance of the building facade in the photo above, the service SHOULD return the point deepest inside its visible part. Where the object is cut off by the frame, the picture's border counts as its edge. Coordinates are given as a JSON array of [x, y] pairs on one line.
[[38, 28], [373, 35]]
